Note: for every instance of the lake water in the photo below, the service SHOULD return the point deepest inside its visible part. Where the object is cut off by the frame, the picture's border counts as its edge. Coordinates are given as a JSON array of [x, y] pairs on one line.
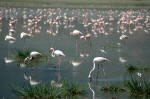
[[52, 28]]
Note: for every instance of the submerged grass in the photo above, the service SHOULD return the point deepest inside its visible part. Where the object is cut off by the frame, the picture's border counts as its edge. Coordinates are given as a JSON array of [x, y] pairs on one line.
[[113, 89], [138, 87], [73, 89], [48, 91], [132, 68]]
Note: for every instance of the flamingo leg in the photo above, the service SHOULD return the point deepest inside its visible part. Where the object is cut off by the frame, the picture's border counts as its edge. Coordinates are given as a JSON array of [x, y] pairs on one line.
[[97, 72], [59, 62], [105, 75], [24, 44], [76, 47], [59, 76]]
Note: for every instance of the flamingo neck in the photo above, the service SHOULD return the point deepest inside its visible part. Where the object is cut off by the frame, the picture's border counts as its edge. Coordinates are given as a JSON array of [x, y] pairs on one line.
[[53, 55], [30, 58], [92, 69]]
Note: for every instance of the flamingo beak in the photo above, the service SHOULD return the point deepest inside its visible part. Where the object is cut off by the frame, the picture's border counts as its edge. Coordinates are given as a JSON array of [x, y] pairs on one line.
[[108, 60], [41, 55]]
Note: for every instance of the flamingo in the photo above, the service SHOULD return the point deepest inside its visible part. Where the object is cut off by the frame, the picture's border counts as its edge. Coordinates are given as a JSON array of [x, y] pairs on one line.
[[24, 36], [123, 37], [76, 33], [57, 53], [10, 38], [96, 60], [86, 37], [33, 54]]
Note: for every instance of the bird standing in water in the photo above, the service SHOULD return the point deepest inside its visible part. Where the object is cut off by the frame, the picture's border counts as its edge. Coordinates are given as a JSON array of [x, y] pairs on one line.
[[97, 60], [57, 53], [24, 36], [33, 54]]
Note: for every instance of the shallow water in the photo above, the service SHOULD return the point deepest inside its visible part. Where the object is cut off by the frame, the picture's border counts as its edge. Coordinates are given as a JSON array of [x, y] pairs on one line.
[[106, 28]]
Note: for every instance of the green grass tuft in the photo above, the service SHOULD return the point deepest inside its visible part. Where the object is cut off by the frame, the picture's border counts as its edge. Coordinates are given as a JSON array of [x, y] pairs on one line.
[[48, 91], [113, 89], [73, 89], [132, 68], [138, 87]]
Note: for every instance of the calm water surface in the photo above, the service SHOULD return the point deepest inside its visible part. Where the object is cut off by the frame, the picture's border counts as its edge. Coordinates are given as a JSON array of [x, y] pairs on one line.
[[52, 28]]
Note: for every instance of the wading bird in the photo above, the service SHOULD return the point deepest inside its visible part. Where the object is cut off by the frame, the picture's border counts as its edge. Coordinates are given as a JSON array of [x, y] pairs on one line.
[[123, 37], [10, 38], [33, 55], [24, 36], [76, 33], [96, 60], [57, 53]]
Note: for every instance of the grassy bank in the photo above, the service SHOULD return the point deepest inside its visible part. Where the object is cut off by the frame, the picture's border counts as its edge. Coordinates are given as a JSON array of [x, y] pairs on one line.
[[77, 3]]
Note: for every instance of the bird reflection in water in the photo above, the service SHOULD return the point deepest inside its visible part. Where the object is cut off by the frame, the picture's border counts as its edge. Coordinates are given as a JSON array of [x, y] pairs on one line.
[[31, 81], [8, 60], [93, 92]]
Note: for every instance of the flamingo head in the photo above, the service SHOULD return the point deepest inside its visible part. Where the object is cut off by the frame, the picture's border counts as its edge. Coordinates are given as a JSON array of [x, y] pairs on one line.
[[40, 54], [107, 60], [26, 60], [80, 33], [51, 49], [30, 78]]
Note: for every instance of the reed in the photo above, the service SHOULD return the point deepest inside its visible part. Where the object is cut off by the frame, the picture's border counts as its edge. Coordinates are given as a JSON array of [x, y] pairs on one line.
[[138, 87]]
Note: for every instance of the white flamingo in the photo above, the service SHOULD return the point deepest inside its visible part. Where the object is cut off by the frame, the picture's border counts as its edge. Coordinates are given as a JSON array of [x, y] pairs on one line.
[[57, 53], [33, 54], [24, 36], [123, 37], [10, 38], [96, 60], [76, 33]]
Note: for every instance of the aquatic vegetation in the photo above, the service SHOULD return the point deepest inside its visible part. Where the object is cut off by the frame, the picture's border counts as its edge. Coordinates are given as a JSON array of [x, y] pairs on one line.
[[49, 91], [22, 54], [73, 89], [138, 87], [132, 68], [40, 91], [113, 88]]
